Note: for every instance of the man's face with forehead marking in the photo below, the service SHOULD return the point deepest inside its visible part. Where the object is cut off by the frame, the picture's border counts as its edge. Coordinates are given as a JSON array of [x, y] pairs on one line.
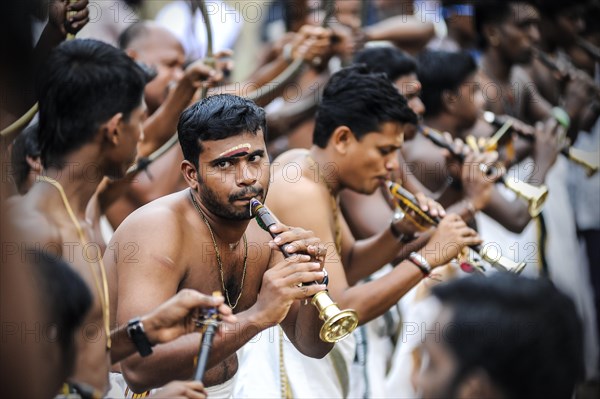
[[231, 171]]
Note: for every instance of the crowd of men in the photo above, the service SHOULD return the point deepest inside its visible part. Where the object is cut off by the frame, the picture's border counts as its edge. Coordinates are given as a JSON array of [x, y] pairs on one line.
[[430, 165]]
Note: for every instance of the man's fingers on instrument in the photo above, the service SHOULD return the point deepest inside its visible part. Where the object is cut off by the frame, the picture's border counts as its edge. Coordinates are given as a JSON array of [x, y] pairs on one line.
[[303, 277], [307, 291], [299, 267], [290, 261], [317, 250], [78, 16], [80, 24], [293, 235], [304, 244], [279, 228], [79, 5]]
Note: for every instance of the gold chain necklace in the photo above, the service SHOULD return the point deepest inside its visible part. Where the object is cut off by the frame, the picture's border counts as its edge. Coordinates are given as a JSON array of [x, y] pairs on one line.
[[218, 255], [334, 207], [102, 292]]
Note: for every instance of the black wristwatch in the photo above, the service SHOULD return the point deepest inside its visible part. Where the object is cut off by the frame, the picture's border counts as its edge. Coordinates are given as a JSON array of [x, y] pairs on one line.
[[135, 331]]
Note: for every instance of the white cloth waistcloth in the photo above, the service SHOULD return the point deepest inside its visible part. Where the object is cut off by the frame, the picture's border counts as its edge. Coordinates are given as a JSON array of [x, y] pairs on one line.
[[259, 377], [119, 389]]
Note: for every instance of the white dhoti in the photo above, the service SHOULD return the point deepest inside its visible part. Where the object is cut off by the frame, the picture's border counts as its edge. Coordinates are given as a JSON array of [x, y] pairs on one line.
[[120, 390], [567, 268], [259, 374]]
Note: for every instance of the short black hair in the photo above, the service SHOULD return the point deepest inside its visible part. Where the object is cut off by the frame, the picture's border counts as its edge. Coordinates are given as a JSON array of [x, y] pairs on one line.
[[132, 32], [490, 12], [392, 61], [82, 84], [440, 71], [24, 145], [217, 118], [523, 332], [553, 8], [65, 297], [361, 100]]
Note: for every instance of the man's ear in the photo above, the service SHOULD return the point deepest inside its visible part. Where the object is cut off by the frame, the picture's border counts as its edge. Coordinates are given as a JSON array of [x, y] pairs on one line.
[[35, 164], [492, 34], [449, 101], [132, 54], [478, 384], [110, 129], [342, 138], [190, 174]]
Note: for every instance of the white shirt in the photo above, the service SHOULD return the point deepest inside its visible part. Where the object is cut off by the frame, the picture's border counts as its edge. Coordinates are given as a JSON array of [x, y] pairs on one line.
[[226, 23]]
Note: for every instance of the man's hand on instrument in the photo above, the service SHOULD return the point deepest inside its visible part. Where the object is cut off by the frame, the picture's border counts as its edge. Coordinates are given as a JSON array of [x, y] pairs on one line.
[[548, 138], [67, 17], [313, 44], [448, 240], [477, 184], [282, 285], [178, 315], [199, 74], [429, 205], [298, 241]]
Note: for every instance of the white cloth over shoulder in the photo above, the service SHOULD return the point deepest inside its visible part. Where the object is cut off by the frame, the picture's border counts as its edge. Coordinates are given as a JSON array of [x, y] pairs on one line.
[[226, 23]]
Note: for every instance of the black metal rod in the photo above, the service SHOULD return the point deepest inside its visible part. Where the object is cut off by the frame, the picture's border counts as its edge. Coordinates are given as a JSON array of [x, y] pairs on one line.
[[205, 347]]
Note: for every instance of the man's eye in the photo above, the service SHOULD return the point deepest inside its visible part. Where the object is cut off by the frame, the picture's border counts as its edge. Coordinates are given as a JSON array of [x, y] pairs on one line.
[[223, 165], [255, 158]]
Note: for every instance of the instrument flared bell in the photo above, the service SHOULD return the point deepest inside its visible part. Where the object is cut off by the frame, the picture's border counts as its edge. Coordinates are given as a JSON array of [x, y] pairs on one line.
[[534, 195], [338, 324], [590, 161], [407, 202], [501, 262]]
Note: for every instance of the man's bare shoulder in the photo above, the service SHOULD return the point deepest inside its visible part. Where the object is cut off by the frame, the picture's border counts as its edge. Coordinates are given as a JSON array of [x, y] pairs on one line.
[[301, 195], [28, 223], [291, 173], [157, 220], [291, 157]]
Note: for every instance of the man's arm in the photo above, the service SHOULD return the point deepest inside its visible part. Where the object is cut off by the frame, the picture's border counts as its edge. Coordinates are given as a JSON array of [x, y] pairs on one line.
[[374, 298], [169, 321], [157, 274], [302, 325]]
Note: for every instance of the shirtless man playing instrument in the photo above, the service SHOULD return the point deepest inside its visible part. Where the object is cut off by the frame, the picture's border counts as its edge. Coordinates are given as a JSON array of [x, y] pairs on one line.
[[91, 113], [359, 130], [208, 242]]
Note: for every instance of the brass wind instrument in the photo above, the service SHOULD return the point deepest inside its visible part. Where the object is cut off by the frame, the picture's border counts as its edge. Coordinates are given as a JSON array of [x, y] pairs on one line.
[[211, 324], [589, 160], [423, 220], [535, 196], [338, 324]]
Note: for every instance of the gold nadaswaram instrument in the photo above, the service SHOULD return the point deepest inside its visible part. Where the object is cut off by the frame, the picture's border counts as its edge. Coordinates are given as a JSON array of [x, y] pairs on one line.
[[589, 160], [534, 195], [338, 324], [422, 220]]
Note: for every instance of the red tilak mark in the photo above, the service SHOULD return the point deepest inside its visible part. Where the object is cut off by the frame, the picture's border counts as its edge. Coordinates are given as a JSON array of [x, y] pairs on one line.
[[241, 149]]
